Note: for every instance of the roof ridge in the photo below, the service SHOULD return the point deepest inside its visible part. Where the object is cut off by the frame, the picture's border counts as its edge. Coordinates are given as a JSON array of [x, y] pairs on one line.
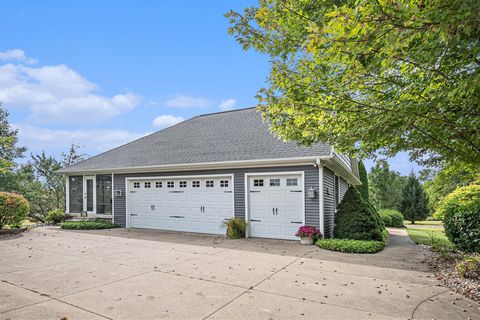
[[220, 112]]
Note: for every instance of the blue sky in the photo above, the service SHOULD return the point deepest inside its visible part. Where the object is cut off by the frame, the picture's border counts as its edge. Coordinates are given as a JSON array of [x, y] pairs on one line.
[[106, 72]]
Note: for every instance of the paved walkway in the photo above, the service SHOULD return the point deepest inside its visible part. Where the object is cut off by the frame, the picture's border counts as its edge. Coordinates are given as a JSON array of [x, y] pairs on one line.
[[140, 274]]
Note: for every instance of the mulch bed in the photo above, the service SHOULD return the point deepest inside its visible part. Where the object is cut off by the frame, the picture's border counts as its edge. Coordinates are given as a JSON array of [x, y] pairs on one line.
[[446, 273]]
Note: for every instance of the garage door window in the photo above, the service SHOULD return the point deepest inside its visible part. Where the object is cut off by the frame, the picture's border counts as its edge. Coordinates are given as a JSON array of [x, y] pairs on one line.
[[183, 184], [274, 182], [196, 184], [170, 184], [258, 183], [147, 185], [158, 184], [136, 185], [292, 182], [223, 183], [209, 183]]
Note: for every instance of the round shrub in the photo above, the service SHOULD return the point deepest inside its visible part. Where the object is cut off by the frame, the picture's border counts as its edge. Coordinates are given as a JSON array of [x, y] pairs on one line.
[[55, 216], [461, 211], [392, 218], [14, 209], [357, 219]]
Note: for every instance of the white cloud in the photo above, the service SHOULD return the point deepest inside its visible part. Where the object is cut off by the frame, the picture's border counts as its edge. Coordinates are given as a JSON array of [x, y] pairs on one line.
[[228, 104], [183, 102], [166, 120], [95, 140], [59, 94], [15, 55]]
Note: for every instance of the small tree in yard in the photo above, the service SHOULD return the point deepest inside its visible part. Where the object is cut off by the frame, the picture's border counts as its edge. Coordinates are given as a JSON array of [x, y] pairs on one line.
[[13, 209], [414, 204], [362, 172]]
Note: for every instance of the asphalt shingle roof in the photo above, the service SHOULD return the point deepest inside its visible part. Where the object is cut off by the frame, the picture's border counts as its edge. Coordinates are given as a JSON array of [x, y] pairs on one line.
[[224, 136]]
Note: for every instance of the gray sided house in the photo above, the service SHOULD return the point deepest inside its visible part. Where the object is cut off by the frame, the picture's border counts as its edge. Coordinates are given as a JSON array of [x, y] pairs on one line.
[[195, 175]]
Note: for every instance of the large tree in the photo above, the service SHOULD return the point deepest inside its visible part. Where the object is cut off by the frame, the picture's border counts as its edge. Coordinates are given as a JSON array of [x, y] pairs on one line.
[[385, 186], [9, 150], [370, 76], [414, 204], [363, 188]]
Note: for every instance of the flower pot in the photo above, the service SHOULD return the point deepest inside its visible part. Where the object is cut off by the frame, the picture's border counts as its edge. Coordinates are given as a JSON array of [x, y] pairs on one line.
[[306, 240]]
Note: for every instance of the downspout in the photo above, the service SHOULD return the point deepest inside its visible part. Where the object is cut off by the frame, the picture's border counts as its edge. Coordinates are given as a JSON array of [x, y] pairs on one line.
[[320, 195]]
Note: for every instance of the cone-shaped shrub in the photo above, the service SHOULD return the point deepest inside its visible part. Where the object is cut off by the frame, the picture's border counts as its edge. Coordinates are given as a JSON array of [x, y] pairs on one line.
[[357, 219]]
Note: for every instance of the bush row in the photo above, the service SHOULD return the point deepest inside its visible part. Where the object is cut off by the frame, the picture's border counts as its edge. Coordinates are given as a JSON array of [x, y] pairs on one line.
[[88, 225], [351, 246]]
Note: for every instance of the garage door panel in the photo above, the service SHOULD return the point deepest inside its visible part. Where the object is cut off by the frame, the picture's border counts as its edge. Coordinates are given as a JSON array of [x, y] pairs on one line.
[[179, 209], [273, 206]]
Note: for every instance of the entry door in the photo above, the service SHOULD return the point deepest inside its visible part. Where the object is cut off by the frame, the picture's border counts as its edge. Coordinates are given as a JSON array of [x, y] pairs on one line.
[[276, 205], [89, 194]]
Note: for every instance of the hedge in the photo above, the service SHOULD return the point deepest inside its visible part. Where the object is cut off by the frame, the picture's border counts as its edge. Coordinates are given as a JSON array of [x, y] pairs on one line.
[[88, 225], [391, 218], [351, 246]]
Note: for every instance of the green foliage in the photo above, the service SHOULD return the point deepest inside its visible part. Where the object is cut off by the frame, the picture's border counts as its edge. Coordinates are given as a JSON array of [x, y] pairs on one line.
[[8, 140], [357, 219], [469, 267], [13, 209], [461, 210], [236, 228], [447, 180], [385, 186], [370, 75], [414, 204], [362, 172], [88, 225], [391, 218], [55, 216], [351, 246]]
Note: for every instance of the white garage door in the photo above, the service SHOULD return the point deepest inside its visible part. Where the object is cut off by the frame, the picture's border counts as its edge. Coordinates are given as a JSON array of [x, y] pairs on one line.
[[275, 205], [181, 204]]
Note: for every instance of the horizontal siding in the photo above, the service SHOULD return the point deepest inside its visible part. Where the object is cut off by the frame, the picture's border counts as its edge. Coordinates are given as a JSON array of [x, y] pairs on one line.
[[328, 202], [343, 187], [311, 180]]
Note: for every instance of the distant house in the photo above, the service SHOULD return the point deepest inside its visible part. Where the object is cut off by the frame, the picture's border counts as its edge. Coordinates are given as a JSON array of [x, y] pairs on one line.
[[194, 175]]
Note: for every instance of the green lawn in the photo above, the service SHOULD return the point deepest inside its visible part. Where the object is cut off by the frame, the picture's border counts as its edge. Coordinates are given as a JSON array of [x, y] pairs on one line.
[[430, 237], [424, 223]]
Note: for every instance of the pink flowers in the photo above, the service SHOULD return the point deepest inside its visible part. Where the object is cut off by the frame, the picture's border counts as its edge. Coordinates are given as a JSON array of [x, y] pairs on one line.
[[307, 231]]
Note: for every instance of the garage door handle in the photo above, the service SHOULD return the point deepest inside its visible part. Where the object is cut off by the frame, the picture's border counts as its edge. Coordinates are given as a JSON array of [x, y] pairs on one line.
[[252, 191], [295, 190], [255, 220], [177, 217], [176, 191], [227, 191], [298, 222], [133, 214]]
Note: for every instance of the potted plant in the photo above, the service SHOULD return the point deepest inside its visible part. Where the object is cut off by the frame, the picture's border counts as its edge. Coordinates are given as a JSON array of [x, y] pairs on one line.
[[308, 234]]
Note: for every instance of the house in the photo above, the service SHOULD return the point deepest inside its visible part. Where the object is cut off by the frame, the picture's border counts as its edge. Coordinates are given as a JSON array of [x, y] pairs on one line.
[[195, 175]]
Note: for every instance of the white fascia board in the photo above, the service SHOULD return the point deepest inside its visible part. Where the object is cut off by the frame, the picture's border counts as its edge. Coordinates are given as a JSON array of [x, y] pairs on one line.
[[206, 165]]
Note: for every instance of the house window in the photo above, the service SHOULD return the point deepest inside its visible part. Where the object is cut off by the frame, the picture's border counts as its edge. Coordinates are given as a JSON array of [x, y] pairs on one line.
[[209, 183], [136, 185], [104, 194], [292, 182], [275, 182], [196, 184], [147, 185], [183, 184], [170, 184], [258, 182], [158, 184], [75, 194], [223, 183]]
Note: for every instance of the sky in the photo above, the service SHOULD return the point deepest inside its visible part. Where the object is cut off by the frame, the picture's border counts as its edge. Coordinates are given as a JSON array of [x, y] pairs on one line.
[[103, 73]]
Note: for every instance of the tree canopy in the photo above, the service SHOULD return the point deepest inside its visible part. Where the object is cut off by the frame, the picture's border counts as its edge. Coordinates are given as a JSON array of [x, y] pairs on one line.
[[414, 204], [8, 143], [385, 186], [371, 76]]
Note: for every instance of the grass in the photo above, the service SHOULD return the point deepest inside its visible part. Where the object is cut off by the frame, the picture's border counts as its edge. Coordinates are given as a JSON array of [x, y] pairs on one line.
[[429, 237], [88, 225], [424, 223]]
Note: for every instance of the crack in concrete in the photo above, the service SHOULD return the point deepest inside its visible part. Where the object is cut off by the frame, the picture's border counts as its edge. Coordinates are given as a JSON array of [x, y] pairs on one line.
[[412, 316], [257, 284]]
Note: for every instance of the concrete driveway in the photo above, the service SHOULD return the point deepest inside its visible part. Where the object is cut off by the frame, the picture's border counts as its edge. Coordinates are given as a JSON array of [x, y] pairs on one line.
[[50, 273]]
